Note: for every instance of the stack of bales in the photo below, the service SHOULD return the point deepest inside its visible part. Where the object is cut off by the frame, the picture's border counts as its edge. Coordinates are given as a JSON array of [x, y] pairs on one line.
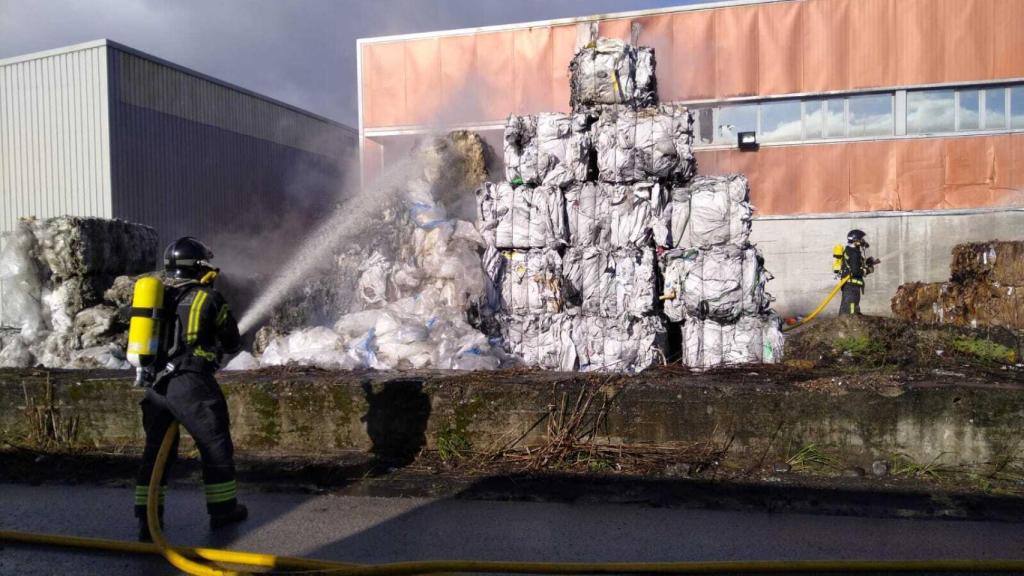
[[62, 281], [591, 199], [715, 279], [986, 288]]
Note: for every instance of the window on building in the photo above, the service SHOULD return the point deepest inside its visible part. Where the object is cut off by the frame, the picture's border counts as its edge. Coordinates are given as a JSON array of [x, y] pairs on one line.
[[870, 115], [780, 121], [835, 118], [930, 111], [705, 125], [1017, 107], [814, 119], [735, 119], [995, 108], [968, 111]]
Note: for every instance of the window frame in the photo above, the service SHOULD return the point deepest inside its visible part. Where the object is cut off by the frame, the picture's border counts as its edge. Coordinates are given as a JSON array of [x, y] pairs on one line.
[[898, 114]]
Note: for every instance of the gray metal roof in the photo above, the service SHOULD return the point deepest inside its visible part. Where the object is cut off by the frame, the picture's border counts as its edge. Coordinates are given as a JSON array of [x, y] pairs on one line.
[[178, 67]]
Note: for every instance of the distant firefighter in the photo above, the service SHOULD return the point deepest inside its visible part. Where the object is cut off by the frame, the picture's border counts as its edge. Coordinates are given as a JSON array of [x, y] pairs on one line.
[[853, 262]]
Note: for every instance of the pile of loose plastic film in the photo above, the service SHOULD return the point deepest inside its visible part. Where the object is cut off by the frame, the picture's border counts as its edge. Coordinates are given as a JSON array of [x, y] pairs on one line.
[[415, 285], [217, 562]]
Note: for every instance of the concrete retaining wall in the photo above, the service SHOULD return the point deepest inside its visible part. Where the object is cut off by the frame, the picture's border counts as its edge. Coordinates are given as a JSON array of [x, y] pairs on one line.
[[914, 247], [318, 413]]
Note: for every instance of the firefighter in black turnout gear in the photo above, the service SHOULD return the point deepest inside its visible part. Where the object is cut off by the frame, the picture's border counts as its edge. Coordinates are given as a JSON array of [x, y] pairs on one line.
[[856, 265], [200, 328]]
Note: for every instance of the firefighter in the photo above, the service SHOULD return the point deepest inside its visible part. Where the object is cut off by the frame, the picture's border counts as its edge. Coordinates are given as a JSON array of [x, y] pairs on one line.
[[855, 264], [200, 328]]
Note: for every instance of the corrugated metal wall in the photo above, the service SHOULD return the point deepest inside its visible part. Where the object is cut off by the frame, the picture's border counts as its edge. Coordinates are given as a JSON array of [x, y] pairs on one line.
[[191, 156], [54, 154]]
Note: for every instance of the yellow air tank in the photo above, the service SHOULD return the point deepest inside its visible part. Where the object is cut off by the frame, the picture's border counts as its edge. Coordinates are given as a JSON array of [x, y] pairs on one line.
[[144, 328], [837, 258]]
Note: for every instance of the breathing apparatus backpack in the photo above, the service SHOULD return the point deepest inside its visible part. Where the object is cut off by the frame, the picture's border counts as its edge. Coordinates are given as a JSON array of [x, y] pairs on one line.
[[144, 328], [838, 251], [153, 330]]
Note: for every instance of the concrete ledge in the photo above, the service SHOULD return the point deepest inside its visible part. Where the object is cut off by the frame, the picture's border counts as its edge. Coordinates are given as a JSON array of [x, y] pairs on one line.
[[765, 416]]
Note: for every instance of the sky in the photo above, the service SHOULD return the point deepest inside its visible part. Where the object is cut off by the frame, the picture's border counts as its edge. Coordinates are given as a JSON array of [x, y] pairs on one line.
[[302, 52]]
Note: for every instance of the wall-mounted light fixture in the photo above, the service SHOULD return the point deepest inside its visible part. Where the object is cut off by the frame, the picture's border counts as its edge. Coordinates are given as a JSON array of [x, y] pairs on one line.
[[747, 141]]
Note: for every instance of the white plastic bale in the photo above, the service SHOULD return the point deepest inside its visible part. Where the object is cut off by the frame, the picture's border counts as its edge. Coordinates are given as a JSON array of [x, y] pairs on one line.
[[521, 217], [610, 71], [752, 339], [720, 283], [618, 344], [530, 282], [710, 211], [587, 206], [494, 268], [75, 246], [634, 212], [611, 282], [646, 144], [544, 341], [548, 148], [617, 215]]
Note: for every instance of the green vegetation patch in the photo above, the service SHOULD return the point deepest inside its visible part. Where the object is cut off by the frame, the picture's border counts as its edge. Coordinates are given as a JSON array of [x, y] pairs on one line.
[[985, 350], [859, 345], [452, 444]]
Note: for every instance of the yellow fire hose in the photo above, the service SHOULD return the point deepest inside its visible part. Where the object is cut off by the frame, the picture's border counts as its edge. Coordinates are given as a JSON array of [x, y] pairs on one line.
[[820, 307], [262, 562]]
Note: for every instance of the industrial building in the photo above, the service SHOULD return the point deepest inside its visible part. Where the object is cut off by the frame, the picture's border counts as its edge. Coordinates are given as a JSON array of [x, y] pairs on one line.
[[904, 118], [101, 129]]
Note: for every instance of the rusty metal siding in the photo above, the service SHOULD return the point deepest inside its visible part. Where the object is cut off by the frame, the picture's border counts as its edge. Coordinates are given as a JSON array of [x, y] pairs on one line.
[[194, 156], [54, 136]]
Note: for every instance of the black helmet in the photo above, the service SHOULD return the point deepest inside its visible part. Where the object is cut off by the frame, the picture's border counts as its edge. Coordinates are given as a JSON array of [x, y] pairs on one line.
[[855, 236], [188, 258]]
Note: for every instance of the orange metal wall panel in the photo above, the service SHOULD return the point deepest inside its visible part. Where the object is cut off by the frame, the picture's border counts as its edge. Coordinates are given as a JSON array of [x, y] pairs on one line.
[[1015, 182], [423, 87], [1007, 39], [657, 32], [825, 41], [532, 69], [780, 52], [912, 174], [563, 47], [459, 81], [618, 28], [872, 47], [385, 104], [736, 41], [967, 41], [873, 181], [824, 180], [765, 49], [920, 167], [970, 165], [494, 57], [693, 58], [919, 55]]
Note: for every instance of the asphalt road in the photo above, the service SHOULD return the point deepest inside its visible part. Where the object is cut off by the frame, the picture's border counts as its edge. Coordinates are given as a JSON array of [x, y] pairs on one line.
[[370, 530]]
